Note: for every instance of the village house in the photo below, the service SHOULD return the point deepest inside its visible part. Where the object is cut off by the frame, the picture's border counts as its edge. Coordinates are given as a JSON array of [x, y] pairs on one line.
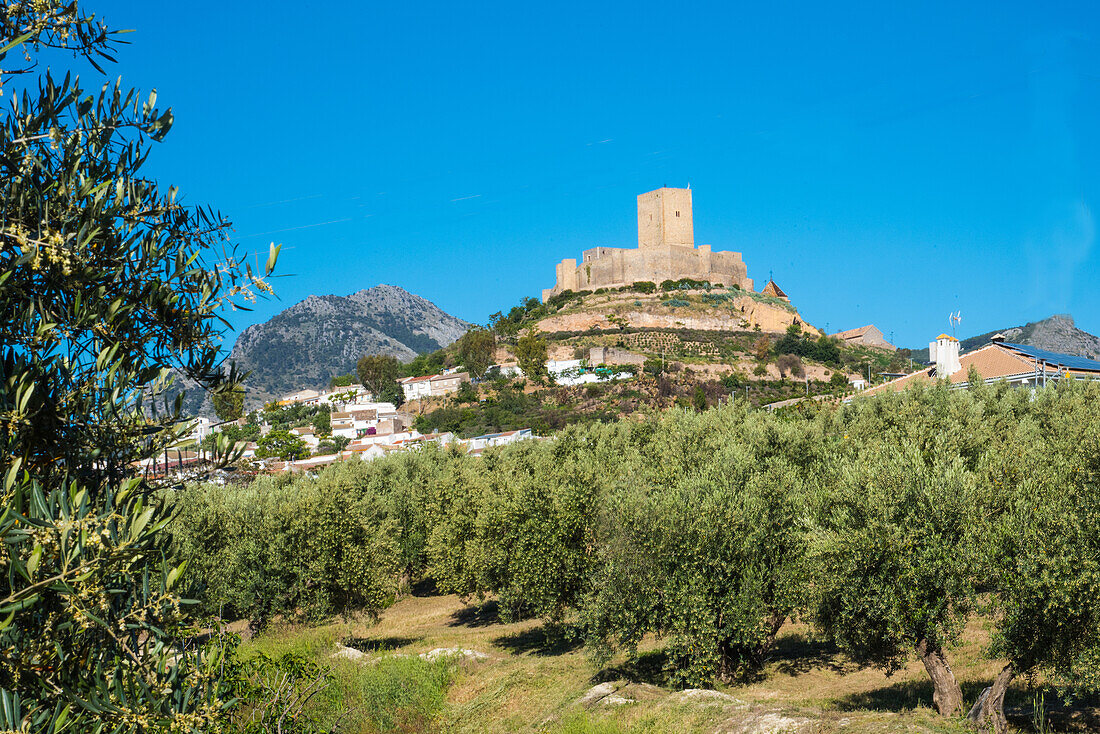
[[869, 336], [416, 387], [446, 383], [1017, 364]]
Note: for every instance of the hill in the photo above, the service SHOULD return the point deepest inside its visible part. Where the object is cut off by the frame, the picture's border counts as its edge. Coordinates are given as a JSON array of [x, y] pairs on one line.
[[322, 336], [1057, 333]]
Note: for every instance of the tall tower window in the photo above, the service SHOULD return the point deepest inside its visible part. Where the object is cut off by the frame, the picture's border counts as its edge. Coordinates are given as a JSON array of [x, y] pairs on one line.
[[677, 213]]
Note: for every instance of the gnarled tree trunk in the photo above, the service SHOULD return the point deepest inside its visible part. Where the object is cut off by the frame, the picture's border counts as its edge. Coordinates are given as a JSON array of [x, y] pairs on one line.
[[988, 712], [946, 693]]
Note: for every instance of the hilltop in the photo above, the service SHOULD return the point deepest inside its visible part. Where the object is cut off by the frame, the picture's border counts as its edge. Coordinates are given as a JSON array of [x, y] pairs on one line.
[[321, 336], [1058, 333]]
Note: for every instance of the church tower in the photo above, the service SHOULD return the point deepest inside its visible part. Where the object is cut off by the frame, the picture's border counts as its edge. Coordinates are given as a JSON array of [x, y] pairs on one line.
[[664, 219]]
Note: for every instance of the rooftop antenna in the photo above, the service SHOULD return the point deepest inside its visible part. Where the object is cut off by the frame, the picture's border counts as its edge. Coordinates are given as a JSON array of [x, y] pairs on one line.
[[954, 319]]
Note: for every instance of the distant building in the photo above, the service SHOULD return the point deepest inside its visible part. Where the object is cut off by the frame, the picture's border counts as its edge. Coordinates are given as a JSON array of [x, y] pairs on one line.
[[478, 443], [666, 251], [613, 355], [868, 336], [1018, 364], [447, 383]]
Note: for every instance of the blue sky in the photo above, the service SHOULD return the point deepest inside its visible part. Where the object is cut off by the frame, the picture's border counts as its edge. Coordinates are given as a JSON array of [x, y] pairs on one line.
[[888, 163]]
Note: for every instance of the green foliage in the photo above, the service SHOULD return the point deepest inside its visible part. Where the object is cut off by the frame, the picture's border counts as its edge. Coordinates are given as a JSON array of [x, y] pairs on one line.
[[531, 354], [392, 393], [322, 423], [333, 445], [1048, 547], [881, 521], [342, 381], [824, 349], [704, 541], [233, 434], [292, 416], [308, 548], [108, 286], [475, 351], [699, 398], [429, 363], [466, 393], [675, 302], [684, 284], [377, 371], [898, 551], [643, 286], [229, 403], [281, 444]]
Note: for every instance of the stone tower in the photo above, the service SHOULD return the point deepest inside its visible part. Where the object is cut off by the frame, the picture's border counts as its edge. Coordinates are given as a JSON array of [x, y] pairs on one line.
[[664, 219]]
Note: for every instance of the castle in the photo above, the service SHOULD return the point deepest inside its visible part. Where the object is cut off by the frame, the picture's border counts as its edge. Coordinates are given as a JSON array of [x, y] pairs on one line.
[[666, 251]]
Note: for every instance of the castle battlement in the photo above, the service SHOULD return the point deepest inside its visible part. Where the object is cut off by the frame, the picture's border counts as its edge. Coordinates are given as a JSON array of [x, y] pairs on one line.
[[666, 251]]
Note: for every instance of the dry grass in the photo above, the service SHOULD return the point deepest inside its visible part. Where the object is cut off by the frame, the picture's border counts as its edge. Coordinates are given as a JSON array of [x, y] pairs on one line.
[[533, 679]]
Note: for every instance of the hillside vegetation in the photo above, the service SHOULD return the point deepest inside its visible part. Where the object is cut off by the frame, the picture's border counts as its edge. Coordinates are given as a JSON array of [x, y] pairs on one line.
[[957, 531]]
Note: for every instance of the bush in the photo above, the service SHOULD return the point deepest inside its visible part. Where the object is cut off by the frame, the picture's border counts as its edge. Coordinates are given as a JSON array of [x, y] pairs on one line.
[[644, 286]]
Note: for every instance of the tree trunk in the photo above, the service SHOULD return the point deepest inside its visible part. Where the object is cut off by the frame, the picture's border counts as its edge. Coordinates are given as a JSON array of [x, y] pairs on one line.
[[988, 712], [774, 622], [946, 692]]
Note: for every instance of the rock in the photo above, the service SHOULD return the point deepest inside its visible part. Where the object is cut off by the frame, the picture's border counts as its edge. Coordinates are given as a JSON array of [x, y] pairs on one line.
[[615, 700], [349, 653], [772, 723], [597, 693], [469, 656], [765, 722], [708, 696]]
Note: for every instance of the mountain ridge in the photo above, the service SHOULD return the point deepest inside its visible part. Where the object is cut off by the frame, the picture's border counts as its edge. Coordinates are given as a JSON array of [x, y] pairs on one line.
[[304, 345]]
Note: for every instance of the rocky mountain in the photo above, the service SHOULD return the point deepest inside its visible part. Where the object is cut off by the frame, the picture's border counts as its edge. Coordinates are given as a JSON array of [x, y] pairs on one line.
[[322, 336], [1056, 334]]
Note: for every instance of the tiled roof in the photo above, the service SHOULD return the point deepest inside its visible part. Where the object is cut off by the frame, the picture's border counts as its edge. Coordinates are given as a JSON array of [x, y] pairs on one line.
[[771, 289], [991, 361]]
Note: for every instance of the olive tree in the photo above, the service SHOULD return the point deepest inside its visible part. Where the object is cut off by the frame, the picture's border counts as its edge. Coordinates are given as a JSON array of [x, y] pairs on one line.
[[108, 285], [896, 559], [1047, 551], [705, 546]]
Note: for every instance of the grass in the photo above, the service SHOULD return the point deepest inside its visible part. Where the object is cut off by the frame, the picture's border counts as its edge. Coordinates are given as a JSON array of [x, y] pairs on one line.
[[534, 677]]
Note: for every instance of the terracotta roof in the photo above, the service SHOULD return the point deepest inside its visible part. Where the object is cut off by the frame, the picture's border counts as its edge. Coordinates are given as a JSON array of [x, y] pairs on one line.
[[992, 361], [771, 289]]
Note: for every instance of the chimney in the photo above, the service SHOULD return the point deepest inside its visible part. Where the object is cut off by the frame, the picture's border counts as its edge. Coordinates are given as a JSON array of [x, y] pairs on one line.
[[944, 352]]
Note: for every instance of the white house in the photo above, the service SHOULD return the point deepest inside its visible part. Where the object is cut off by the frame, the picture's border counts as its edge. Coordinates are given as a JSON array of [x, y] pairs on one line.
[[497, 439], [416, 387]]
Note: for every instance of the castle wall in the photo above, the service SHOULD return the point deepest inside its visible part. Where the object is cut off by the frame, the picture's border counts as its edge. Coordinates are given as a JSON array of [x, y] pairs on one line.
[[615, 267], [666, 251]]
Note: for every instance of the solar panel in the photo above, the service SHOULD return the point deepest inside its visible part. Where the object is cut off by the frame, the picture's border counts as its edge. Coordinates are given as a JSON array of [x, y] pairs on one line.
[[1068, 361]]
